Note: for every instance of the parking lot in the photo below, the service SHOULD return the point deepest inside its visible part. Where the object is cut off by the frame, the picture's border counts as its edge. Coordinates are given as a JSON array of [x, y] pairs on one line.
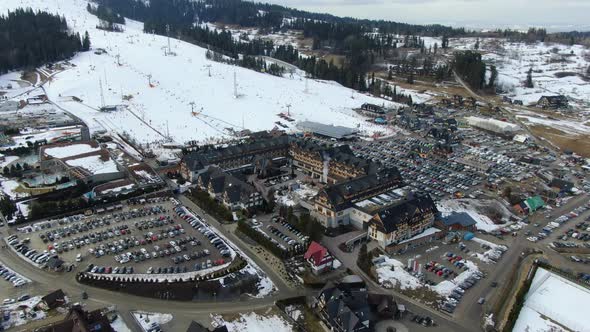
[[284, 235], [11, 277], [452, 270], [436, 176], [143, 236]]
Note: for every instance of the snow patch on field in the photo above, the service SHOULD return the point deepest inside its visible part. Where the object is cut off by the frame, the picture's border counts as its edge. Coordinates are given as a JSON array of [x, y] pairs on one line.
[[391, 273], [146, 319], [556, 68], [9, 188], [567, 126], [119, 325], [8, 160]]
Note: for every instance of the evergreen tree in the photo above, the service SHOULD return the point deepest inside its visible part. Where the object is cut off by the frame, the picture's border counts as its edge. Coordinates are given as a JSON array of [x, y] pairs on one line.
[[363, 261], [435, 47], [477, 44], [445, 42], [471, 68], [493, 76], [529, 79], [86, 42]]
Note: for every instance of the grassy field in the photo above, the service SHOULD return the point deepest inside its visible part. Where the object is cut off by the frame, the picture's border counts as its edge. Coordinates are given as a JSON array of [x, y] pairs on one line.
[[579, 144]]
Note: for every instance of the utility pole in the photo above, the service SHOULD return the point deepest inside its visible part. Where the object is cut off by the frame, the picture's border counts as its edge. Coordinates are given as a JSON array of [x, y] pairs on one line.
[[192, 103], [118, 59], [289, 109], [209, 68]]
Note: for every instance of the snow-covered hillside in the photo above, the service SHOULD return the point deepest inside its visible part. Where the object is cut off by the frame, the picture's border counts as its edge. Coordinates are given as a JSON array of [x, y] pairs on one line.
[[555, 68], [178, 81]]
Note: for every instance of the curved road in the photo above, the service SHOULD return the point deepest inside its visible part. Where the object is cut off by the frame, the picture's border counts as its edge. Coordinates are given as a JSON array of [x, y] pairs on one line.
[[183, 312]]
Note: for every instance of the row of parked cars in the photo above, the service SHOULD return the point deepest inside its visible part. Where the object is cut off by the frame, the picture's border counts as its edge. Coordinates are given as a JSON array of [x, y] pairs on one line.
[[87, 239], [199, 224], [29, 253], [109, 269], [188, 256], [452, 300], [281, 235], [16, 279], [19, 299], [123, 244]]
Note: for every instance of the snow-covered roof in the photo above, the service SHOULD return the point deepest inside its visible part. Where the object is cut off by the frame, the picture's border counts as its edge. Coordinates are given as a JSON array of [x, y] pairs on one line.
[[94, 164], [552, 303], [70, 150], [521, 138], [427, 232]]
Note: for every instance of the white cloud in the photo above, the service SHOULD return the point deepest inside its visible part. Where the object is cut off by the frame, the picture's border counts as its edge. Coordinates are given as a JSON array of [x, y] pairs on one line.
[[553, 14]]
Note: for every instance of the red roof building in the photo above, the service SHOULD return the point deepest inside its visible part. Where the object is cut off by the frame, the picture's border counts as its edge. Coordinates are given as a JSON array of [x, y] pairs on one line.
[[319, 258]]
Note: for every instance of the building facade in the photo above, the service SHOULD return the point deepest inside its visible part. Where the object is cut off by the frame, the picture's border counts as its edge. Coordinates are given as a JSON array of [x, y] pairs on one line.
[[402, 221]]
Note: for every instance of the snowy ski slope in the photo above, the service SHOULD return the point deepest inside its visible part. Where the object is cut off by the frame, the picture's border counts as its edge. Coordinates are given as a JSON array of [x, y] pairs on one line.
[[178, 81]]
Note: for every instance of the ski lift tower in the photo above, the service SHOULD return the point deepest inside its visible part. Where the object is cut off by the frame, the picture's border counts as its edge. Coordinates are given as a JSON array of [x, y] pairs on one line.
[[235, 85], [168, 34]]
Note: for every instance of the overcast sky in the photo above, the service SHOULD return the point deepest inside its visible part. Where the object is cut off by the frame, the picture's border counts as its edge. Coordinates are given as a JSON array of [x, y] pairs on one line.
[[552, 14]]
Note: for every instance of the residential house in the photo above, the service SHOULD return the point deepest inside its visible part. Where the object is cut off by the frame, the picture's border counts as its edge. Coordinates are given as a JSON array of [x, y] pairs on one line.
[[553, 102], [79, 320], [196, 327], [319, 258], [234, 193], [346, 307], [54, 299], [561, 185]]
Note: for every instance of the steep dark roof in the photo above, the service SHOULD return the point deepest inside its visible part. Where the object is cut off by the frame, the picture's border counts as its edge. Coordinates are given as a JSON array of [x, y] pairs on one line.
[[54, 263], [555, 100], [403, 212], [196, 327], [198, 160], [341, 153], [459, 218], [78, 320], [347, 308], [223, 182], [342, 194], [561, 184], [54, 299]]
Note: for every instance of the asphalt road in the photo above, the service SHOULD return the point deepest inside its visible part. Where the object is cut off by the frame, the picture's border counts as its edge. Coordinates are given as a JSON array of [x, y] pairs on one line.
[[183, 312]]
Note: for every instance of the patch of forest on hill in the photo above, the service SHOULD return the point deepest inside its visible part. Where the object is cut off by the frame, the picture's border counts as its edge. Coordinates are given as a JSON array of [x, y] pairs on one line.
[[31, 39]]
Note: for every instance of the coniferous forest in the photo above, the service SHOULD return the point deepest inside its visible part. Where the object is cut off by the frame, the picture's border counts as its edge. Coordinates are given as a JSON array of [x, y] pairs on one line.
[[346, 36], [30, 39]]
